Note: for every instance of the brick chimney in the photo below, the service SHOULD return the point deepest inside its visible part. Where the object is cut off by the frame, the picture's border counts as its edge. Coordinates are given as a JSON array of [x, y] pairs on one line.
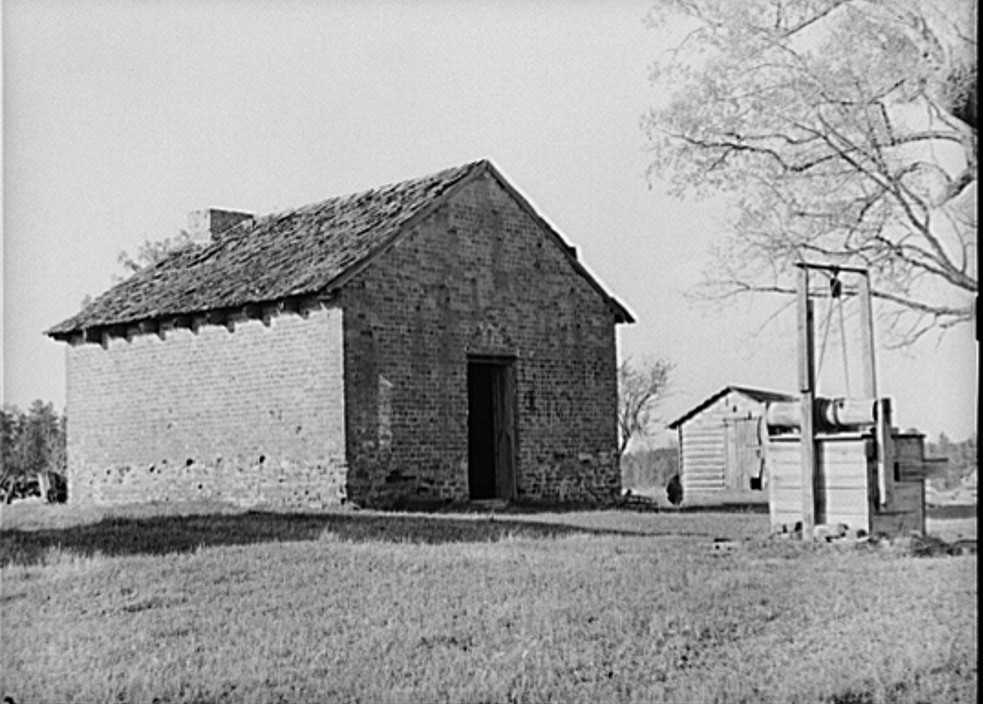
[[206, 225]]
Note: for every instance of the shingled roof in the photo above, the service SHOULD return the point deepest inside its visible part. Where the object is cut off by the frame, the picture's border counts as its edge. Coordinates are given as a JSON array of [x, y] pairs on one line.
[[287, 255]]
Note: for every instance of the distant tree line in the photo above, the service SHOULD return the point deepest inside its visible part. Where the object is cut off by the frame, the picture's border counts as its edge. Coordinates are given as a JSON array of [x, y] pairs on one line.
[[650, 468], [32, 444], [961, 456]]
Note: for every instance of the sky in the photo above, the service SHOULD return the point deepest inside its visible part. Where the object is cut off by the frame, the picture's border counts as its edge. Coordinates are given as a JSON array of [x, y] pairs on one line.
[[119, 118]]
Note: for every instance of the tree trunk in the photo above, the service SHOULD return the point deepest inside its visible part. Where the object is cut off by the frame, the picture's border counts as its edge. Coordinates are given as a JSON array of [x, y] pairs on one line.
[[43, 485]]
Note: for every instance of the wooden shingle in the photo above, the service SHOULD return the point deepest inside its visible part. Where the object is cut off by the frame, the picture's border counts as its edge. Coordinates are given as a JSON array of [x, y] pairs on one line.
[[285, 256]]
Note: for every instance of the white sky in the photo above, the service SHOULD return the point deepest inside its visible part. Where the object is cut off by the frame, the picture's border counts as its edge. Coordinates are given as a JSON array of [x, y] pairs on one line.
[[120, 117]]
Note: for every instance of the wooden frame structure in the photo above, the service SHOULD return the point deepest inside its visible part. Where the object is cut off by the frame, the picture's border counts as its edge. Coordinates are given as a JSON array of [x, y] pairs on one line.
[[836, 466]]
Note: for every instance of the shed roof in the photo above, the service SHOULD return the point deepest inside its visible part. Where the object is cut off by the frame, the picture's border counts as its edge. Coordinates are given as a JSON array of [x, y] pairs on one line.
[[759, 395], [300, 252]]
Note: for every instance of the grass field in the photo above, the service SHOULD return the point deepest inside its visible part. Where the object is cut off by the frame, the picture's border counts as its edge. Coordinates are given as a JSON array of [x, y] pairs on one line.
[[605, 606]]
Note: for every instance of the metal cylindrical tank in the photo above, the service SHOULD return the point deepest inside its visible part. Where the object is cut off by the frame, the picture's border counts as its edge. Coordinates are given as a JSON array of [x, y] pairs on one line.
[[830, 414]]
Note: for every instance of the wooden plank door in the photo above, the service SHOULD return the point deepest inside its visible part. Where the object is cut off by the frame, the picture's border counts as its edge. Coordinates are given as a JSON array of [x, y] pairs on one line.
[[491, 428], [745, 455], [481, 438], [504, 412]]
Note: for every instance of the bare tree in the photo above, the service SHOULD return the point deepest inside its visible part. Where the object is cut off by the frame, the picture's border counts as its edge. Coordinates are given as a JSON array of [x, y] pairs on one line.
[[640, 389], [151, 252], [845, 133]]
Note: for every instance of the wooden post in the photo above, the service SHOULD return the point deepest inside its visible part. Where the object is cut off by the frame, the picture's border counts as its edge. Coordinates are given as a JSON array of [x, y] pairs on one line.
[[869, 381], [882, 433], [885, 455], [807, 443]]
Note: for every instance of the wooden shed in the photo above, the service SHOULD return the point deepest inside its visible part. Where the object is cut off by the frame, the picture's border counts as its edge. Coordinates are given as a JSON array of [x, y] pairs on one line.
[[721, 442]]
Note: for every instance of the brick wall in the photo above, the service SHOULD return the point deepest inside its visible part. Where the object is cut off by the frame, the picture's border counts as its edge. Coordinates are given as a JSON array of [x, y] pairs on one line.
[[479, 276], [298, 410], [252, 415]]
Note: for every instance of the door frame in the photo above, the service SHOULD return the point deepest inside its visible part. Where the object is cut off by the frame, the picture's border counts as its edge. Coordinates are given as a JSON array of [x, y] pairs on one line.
[[504, 419]]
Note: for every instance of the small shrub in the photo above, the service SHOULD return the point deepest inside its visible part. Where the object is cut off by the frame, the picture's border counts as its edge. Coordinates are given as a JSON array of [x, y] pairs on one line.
[[674, 490]]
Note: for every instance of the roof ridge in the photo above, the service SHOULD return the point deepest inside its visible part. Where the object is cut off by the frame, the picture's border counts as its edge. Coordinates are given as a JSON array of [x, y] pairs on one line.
[[752, 391], [296, 252], [756, 389], [464, 169]]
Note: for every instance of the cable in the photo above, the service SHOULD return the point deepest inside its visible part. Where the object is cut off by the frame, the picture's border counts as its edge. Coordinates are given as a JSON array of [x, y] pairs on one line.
[[822, 349], [846, 364]]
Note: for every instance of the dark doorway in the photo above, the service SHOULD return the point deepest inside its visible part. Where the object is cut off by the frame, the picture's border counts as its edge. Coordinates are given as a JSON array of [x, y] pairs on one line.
[[491, 428]]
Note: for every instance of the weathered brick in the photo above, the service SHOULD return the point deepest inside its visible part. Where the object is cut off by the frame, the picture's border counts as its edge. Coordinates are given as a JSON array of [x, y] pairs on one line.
[[367, 396], [479, 276], [210, 414]]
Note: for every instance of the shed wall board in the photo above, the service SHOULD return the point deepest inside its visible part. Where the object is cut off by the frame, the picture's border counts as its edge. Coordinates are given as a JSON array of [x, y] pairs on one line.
[[842, 485], [909, 455], [846, 485], [909, 510], [254, 415]]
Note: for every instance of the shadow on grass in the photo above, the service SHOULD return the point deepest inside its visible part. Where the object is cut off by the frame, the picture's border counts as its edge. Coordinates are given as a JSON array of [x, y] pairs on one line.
[[952, 511], [725, 507], [174, 534]]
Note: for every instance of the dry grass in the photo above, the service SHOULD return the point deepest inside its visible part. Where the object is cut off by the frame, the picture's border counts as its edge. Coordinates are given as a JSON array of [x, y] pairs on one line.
[[567, 607], [951, 530]]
